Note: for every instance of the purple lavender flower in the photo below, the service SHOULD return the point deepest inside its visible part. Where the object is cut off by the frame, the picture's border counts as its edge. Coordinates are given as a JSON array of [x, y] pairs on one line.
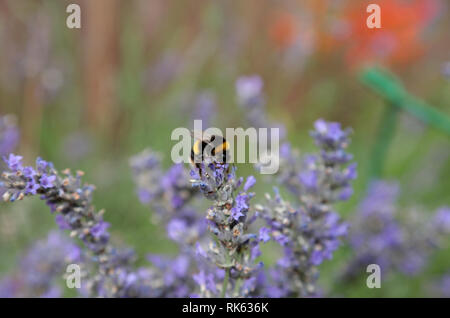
[[42, 166], [9, 134], [320, 177], [249, 88], [13, 162], [264, 234], [176, 229], [396, 242], [249, 91], [236, 213], [40, 270], [441, 220], [66, 196], [29, 172], [311, 232], [166, 191], [251, 181], [441, 287], [175, 273], [328, 133], [47, 181], [309, 179], [99, 229], [233, 251], [32, 187], [205, 106], [240, 207], [61, 222], [170, 194], [206, 282], [226, 265], [375, 229]]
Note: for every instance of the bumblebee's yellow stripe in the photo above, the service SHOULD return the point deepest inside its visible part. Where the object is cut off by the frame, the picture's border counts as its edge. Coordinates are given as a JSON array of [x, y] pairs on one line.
[[196, 147], [224, 146]]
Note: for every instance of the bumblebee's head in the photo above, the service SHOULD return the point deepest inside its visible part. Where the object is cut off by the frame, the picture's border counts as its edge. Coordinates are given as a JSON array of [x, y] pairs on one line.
[[210, 150]]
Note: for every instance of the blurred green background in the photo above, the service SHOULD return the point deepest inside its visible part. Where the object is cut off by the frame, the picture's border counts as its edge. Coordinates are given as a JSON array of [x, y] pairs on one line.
[[90, 98]]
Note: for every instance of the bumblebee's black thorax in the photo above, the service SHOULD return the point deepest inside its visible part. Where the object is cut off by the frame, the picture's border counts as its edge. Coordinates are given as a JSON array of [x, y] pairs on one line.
[[215, 147]]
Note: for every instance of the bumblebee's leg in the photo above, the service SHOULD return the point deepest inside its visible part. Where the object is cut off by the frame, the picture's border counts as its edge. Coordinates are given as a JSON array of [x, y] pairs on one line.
[[200, 171]]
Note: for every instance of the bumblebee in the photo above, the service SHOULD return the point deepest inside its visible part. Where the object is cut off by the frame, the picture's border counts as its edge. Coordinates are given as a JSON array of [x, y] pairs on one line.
[[210, 149]]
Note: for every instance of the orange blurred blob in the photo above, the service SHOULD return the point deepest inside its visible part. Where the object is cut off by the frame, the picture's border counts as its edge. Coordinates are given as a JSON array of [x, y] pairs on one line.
[[283, 30], [398, 41]]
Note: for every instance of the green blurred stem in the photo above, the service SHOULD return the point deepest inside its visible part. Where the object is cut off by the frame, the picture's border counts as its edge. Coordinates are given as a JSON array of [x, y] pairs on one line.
[[397, 98], [225, 283], [385, 135], [391, 89], [227, 270], [237, 286]]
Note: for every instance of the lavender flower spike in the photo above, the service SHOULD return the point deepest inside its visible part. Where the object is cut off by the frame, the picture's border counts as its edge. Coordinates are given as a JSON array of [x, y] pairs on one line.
[[41, 269], [395, 241], [310, 232], [250, 97], [71, 200], [9, 134], [233, 251]]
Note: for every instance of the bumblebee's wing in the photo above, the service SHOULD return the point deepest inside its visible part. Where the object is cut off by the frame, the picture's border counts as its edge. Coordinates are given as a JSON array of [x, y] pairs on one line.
[[199, 135]]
